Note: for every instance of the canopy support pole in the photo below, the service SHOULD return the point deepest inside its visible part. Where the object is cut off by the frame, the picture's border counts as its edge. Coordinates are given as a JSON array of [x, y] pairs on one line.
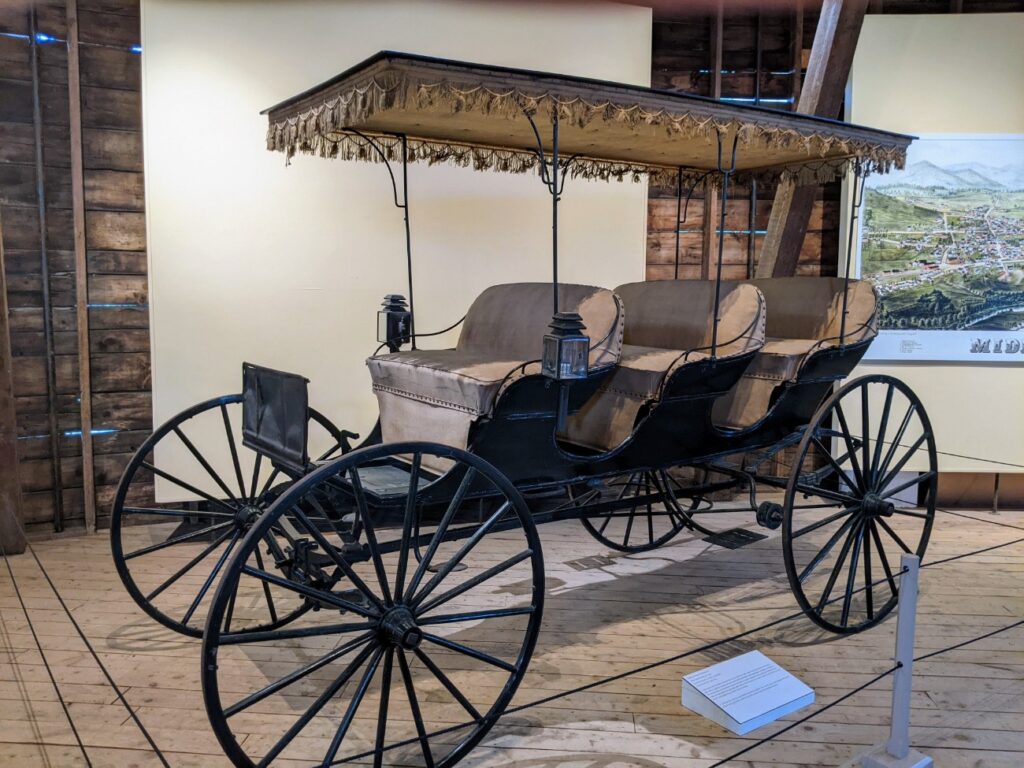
[[402, 205], [726, 173], [857, 195]]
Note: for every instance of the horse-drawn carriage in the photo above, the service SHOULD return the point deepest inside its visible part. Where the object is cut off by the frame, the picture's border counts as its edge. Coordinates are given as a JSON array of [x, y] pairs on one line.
[[390, 593]]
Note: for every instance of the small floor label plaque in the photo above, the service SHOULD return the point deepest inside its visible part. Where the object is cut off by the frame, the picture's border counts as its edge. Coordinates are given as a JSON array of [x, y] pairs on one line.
[[745, 692]]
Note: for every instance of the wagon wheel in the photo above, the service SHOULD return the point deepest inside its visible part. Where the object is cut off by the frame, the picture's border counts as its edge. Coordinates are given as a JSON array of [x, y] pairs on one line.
[[170, 565], [406, 660], [862, 492], [654, 510]]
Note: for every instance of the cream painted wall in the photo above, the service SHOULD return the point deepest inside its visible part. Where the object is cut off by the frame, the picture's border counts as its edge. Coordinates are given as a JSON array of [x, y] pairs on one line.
[[950, 74], [286, 266]]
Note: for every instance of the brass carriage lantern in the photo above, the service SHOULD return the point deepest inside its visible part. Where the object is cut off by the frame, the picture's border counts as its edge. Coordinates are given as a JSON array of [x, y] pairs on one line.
[[393, 322]]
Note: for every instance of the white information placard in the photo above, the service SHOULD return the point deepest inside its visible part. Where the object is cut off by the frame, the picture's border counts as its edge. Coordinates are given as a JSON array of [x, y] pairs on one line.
[[745, 692]]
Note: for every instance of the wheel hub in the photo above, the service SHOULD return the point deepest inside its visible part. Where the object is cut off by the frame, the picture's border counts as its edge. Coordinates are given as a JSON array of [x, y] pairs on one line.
[[876, 506], [247, 515], [398, 627]]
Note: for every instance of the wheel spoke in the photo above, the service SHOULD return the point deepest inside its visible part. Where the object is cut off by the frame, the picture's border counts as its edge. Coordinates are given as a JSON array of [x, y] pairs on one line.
[[205, 464], [824, 521], [188, 566], [167, 512], [190, 488], [825, 493], [865, 445], [836, 569], [177, 540], [234, 451], [851, 449], [371, 537], [211, 576], [880, 438], [410, 512], [496, 613], [314, 594], [327, 694], [894, 535], [353, 707], [869, 589], [904, 423], [471, 652], [464, 550], [270, 482], [852, 577], [257, 465], [650, 516], [414, 705], [469, 584], [448, 684], [891, 474], [266, 587], [294, 677], [917, 480], [382, 712], [442, 528], [835, 464], [824, 551], [884, 560], [908, 513]]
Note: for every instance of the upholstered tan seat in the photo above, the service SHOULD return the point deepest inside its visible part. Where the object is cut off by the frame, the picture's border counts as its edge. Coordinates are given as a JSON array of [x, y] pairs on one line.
[[804, 316], [668, 325], [436, 395]]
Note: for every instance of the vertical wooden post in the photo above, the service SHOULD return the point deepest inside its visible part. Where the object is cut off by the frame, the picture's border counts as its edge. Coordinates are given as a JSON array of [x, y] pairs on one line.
[[710, 194], [835, 41], [81, 267], [56, 475], [796, 43], [12, 535]]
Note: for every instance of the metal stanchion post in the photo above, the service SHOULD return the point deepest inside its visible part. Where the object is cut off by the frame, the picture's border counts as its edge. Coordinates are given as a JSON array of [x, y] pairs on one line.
[[896, 752]]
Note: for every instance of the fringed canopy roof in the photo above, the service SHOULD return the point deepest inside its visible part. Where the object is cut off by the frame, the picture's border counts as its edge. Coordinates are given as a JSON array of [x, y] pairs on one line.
[[473, 114]]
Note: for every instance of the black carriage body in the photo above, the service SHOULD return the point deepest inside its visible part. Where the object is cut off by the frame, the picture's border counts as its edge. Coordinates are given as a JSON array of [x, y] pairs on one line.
[[519, 437]]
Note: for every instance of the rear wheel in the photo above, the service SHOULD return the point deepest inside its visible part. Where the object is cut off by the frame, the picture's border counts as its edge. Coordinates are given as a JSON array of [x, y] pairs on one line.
[[861, 493], [169, 554], [641, 511], [419, 639]]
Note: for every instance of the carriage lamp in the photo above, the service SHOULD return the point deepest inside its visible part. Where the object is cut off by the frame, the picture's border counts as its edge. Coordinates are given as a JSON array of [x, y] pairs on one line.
[[393, 322], [566, 348], [566, 357]]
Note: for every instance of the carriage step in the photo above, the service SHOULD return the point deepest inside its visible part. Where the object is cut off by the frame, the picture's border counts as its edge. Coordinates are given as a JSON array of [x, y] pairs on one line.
[[388, 480]]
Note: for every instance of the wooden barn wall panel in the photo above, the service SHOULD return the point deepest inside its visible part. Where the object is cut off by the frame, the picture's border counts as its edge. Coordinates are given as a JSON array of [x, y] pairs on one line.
[[117, 290]]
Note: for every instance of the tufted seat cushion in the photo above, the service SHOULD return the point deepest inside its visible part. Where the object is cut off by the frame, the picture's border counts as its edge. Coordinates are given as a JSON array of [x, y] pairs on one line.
[[804, 316], [669, 325], [436, 395]]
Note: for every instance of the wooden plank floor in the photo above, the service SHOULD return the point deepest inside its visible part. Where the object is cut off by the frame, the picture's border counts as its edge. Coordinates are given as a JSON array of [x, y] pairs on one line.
[[968, 704]]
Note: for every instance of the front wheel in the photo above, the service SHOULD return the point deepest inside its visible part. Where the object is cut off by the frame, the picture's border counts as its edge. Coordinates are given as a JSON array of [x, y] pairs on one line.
[[419, 637], [861, 493]]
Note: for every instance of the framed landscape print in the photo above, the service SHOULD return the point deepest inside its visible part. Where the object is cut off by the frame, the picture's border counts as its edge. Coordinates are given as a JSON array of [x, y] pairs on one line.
[[943, 242]]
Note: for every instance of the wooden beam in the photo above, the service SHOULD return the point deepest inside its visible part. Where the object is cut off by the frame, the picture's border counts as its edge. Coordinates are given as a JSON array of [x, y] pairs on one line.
[[12, 535], [796, 50], [709, 242], [81, 267], [835, 41]]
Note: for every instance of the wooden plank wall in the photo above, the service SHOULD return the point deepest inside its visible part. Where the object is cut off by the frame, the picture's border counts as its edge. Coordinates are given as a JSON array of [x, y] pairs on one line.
[[117, 290], [758, 56]]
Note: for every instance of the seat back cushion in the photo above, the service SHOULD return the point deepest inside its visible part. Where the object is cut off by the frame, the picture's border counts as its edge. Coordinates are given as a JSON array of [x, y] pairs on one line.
[[664, 320], [812, 308], [509, 321], [679, 314]]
